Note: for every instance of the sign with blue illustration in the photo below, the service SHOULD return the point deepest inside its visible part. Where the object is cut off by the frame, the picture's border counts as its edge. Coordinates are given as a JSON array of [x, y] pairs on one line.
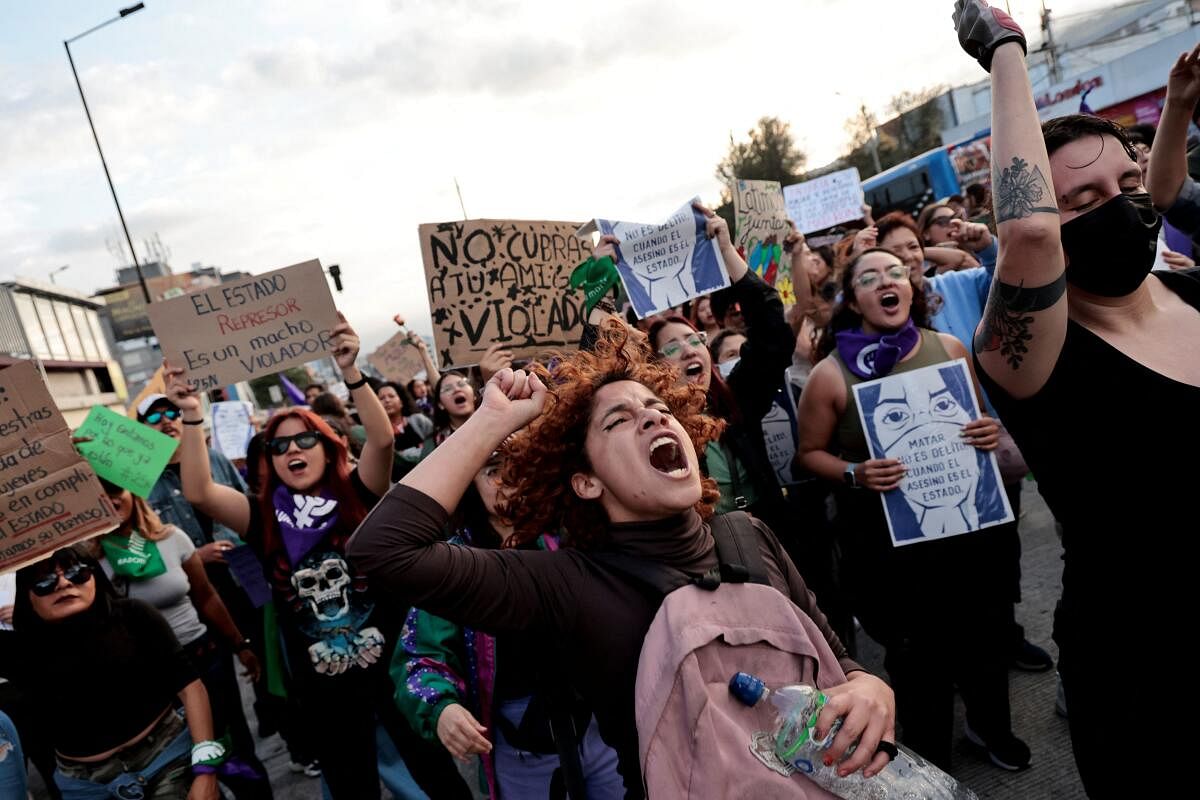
[[665, 265], [950, 487]]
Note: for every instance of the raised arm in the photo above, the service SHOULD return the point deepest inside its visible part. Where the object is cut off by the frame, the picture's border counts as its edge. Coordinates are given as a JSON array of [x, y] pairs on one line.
[[399, 545], [1023, 328], [375, 461], [797, 247], [224, 504], [431, 371], [1168, 158]]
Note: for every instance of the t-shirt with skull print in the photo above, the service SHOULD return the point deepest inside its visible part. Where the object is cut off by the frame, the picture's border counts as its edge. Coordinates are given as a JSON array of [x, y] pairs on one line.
[[328, 619]]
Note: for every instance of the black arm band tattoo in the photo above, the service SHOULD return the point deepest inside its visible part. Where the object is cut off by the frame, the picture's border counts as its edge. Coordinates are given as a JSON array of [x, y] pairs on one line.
[[1019, 190], [1006, 320]]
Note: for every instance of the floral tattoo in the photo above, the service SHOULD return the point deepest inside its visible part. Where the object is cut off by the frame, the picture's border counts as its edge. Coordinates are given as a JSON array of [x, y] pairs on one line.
[[1019, 190], [1006, 321]]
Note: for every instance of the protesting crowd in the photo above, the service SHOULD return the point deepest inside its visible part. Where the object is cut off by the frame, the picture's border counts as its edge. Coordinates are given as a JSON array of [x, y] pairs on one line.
[[535, 577]]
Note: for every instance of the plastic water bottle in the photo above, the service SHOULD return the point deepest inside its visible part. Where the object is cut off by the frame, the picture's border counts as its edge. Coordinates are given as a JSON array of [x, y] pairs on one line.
[[790, 748]]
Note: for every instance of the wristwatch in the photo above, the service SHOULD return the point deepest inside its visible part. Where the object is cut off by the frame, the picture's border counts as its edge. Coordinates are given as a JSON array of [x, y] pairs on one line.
[[849, 477]]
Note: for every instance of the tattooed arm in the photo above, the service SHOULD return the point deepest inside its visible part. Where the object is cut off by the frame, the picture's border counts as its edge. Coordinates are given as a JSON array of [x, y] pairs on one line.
[[1025, 322]]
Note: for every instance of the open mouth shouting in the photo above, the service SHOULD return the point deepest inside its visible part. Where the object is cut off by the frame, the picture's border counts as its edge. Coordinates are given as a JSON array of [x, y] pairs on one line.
[[692, 370], [889, 301], [296, 466], [668, 456]]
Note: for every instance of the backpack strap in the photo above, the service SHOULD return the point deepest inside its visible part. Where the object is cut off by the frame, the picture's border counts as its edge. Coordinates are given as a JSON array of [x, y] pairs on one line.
[[738, 552]]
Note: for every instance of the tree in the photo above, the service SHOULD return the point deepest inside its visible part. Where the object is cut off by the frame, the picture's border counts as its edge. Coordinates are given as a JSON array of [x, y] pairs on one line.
[[770, 154], [915, 128]]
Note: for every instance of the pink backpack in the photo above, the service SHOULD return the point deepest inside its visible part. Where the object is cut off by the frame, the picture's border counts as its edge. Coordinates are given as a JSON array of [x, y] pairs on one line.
[[694, 737]]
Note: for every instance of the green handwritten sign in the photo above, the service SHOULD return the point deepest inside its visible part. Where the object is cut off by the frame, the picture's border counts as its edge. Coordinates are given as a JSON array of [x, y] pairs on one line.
[[124, 451]]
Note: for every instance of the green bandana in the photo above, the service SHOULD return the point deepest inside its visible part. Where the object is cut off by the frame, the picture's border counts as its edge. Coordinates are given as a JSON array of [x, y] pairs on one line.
[[135, 557]]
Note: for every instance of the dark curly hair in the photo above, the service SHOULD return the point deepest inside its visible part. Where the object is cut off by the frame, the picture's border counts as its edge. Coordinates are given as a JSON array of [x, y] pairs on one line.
[[541, 458], [846, 318]]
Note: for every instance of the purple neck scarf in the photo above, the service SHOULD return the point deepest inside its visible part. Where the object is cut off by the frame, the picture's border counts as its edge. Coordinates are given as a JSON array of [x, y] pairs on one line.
[[304, 520], [875, 355]]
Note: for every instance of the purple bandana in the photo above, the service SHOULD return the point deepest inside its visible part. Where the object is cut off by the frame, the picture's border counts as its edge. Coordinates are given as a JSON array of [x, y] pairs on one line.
[[304, 520], [870, 355]]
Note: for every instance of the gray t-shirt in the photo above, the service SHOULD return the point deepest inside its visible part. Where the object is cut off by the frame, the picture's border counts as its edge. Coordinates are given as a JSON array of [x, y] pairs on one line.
[[167, 592]]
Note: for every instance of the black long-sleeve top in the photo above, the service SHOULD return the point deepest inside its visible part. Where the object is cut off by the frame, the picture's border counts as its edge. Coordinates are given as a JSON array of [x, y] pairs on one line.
[[102, 676], [596, 617]]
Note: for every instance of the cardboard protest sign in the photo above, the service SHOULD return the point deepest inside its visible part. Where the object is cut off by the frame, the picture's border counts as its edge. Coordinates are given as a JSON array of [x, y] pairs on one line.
[[124, 451], [665, 265], [950, 487], [761, 226], [49, 496], [240, 330], [825, 201], [232, 428], [397, 359], [502, 281]]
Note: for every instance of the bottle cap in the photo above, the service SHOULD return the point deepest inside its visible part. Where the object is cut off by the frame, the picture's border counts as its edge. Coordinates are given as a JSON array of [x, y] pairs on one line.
[[746, 688]]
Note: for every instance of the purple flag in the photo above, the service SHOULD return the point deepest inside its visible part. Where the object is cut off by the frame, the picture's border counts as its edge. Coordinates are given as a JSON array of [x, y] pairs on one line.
[[293, 392], [1084, 108]]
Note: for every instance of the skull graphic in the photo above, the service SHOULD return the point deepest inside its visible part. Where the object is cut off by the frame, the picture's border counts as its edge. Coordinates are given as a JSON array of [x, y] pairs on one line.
[[325, 586]]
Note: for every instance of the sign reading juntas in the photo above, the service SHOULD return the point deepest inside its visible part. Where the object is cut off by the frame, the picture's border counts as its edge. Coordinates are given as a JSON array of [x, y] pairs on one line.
[[664, 265], [397, 359], [240, 330], [506, 281], [49, 496], [124, 451], [762, 225], [825, 201], [232, 428], [916, 418]]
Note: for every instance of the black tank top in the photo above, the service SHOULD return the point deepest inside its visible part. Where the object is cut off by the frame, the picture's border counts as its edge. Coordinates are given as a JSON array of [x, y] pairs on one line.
[[1113, 446]]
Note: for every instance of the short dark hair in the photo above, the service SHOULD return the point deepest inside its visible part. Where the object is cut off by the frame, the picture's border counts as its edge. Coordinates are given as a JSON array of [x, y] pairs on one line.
[[328, 404], [714, 347], [408, 408], [318, 386], [1061, 131], [1142, 134], [977, 192]]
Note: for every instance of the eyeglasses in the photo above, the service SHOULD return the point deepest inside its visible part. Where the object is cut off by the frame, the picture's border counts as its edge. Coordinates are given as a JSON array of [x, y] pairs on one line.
[[673, 349], [942, 220], [451, 388], [154, 417], [305, 441], [76, 573], [897, 273]]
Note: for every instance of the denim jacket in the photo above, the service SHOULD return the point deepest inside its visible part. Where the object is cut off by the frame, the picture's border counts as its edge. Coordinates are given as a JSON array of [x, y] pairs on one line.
[[167, 500]]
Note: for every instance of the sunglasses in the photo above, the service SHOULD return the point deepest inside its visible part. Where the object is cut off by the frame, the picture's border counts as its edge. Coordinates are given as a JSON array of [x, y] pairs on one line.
[[673, 349], [305, 441], [47, 585], [451, 388], [155, 417], [897, 273]]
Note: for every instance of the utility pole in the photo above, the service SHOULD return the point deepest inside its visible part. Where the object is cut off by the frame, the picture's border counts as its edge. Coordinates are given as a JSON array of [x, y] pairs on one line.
[[1048, 46], [873, 142]]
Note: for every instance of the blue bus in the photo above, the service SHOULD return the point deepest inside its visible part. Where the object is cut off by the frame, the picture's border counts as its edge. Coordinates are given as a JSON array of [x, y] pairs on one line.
[[914, 184]]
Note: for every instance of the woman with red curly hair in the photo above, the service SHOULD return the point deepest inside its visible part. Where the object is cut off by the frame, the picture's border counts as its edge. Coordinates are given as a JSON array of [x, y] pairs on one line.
[[605, 444], [336, 638]]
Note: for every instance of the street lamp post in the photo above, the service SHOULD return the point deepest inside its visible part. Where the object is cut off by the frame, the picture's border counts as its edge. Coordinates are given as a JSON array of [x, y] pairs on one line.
[[124, 12]]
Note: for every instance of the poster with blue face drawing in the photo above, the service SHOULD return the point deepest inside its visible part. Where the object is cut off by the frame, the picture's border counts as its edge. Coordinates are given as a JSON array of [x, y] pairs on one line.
[[665, 265], [950, 488]]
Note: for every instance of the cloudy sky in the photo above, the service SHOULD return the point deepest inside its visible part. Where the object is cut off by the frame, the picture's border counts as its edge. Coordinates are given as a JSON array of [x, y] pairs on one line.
[[252, 135]]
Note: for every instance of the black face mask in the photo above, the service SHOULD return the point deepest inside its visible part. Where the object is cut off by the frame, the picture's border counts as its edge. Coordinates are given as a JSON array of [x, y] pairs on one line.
[[1111, 249]]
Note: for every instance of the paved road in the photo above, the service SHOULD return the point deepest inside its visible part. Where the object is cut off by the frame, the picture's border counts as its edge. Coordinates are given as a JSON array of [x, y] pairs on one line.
[[1053, 774]]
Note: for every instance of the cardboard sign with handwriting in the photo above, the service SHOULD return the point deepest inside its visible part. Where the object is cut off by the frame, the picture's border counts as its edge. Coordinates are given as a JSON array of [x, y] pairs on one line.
[[124, 451], [49, 496], [398, 360], [505, 281], [240, 330], [762, 225]]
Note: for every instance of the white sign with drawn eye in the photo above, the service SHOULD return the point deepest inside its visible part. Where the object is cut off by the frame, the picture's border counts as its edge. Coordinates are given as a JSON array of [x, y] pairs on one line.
[[917, 418], [665, 265], [232, 428]]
